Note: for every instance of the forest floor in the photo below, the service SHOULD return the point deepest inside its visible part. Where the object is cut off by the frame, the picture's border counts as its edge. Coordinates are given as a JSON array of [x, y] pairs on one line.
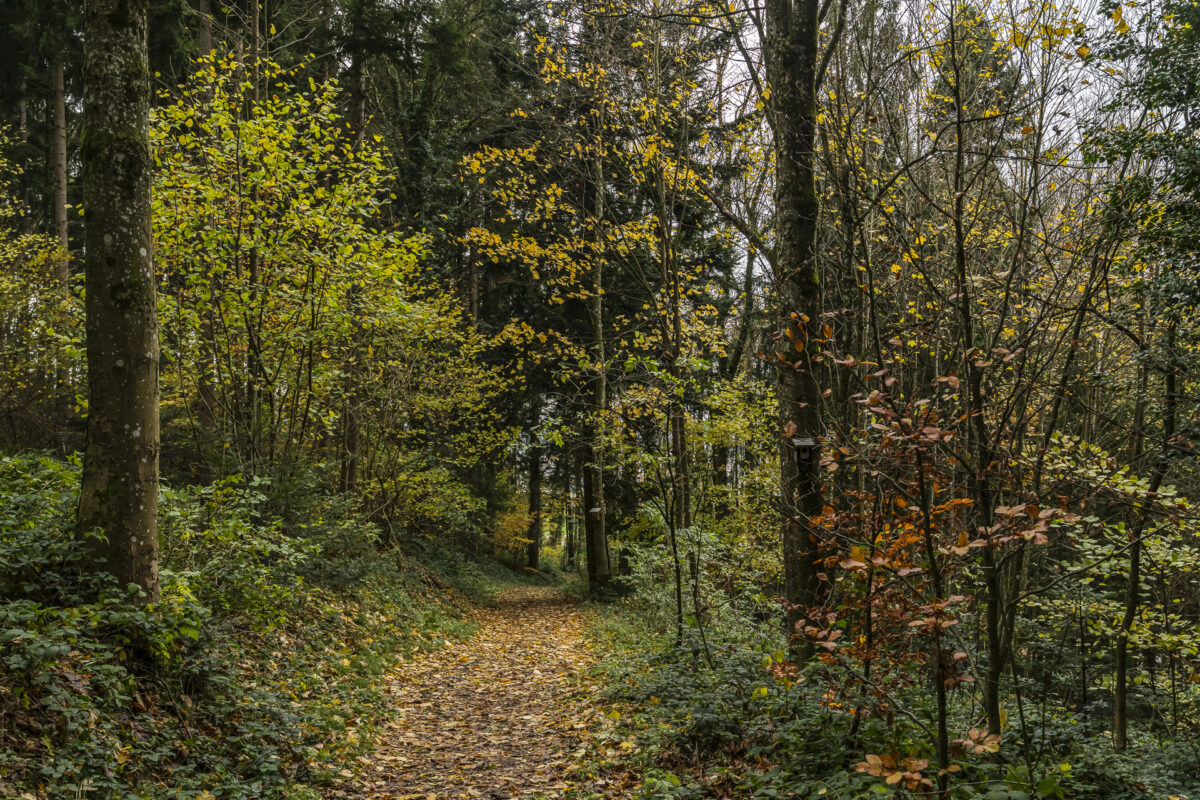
[[501, 715]]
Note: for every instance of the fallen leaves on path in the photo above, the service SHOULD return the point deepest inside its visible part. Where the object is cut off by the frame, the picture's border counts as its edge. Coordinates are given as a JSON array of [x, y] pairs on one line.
[[497, 716]]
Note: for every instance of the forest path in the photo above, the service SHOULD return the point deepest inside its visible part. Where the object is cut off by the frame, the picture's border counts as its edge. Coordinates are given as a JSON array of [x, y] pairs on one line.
[[493, 717]]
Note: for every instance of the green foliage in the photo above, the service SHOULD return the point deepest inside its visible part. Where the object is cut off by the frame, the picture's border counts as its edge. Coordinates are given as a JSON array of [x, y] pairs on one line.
[[734, 607], [720, 726], [245, 678], [237, 560], [371, 262], [263, 207], [1152, 770], [724, 714], [299, 334], [40, 316]]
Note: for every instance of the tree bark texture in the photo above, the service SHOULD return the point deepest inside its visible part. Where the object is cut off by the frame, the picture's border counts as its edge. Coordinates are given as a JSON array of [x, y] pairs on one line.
[[119, 491], [791, 67], [204, 28], [60, 167], [599, 569], [533, 552]]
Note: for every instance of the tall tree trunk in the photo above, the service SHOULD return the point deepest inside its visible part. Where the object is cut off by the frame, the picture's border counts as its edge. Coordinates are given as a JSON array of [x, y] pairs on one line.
[[940, 656], [790, 53], [355, 371], [595, 534], [351, 405], [207, 437], [119, 490], [65, 393], [23, 109], [677, 432], [595, 541], [564, 530], [1132, 587], [473, 289], [533, 552], [996, 634], [732, 365], [574, 492], [204, 27], [681, 483], [59, 101], [598, 568]]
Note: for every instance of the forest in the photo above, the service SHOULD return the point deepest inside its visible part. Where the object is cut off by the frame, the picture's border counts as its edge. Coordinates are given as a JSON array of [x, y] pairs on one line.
[[597, 399]]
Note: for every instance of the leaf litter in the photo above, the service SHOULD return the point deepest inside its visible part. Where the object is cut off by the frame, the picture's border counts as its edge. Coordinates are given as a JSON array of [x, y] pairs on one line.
[[499, 716]]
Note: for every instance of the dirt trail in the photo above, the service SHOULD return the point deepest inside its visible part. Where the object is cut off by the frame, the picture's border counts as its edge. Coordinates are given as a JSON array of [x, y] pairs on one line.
[[493, 717]]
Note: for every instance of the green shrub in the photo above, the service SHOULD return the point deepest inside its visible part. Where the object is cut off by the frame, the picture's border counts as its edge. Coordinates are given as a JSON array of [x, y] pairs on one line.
[[237, 560], [710, 718], [242, 681]]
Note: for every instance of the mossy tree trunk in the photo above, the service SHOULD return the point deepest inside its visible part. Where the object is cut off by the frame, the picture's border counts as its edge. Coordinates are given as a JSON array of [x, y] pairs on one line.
[[119, 493]]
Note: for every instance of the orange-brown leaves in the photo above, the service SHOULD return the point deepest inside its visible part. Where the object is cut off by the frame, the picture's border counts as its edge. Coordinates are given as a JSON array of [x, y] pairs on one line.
[[895, 770]]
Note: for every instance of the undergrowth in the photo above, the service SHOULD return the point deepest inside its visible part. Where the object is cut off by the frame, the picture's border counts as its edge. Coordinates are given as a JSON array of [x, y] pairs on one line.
[[255, 676], [724, 716]]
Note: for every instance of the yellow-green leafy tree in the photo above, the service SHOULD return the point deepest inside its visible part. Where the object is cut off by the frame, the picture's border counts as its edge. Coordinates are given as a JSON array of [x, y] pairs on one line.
[[298, 331]]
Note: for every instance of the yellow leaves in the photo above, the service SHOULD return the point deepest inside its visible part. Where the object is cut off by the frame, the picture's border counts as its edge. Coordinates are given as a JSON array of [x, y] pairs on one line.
[[1119, 23]]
